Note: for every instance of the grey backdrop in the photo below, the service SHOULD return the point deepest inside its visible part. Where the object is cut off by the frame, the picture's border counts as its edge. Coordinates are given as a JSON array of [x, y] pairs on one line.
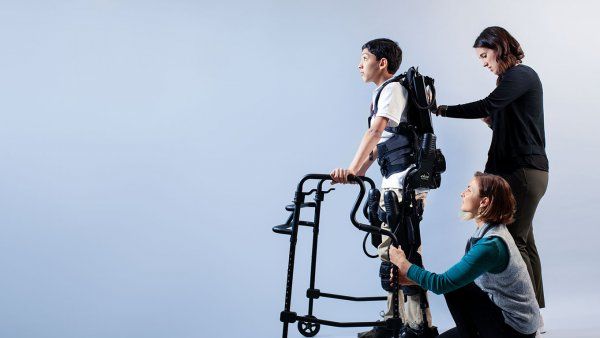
[[148, 147]]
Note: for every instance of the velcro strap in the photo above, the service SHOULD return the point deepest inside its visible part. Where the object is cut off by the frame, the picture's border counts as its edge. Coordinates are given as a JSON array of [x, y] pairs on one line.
[[392, 169], [385, 271], [402, 128]]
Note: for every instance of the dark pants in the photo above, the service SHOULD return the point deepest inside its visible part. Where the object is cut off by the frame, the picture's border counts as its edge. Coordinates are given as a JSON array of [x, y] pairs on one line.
[[528, 186], [476, 315]]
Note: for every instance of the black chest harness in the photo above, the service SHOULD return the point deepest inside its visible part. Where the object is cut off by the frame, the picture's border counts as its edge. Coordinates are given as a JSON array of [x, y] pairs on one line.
[[397, 153], [401, 150]]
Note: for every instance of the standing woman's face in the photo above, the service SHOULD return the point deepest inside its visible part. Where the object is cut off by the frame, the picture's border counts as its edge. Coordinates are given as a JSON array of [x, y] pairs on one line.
[[489, 59]]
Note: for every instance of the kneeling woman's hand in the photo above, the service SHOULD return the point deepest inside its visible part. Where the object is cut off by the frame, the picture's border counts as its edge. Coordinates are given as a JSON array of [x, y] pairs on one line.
[[402, 280], [398, 257]]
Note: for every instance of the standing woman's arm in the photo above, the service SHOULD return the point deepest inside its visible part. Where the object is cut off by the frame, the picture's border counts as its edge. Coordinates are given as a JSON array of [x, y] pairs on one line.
[[514, 83]]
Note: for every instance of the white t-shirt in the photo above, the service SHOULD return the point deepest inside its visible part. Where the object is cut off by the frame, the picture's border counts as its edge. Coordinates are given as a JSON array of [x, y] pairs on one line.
[[392, 104]]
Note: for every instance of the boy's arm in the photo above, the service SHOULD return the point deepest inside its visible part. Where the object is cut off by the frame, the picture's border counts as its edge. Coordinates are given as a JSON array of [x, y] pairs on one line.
[[368, 142], [372, 158]]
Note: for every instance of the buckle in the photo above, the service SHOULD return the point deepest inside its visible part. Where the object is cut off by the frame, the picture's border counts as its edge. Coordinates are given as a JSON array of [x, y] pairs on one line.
[[384, 171]]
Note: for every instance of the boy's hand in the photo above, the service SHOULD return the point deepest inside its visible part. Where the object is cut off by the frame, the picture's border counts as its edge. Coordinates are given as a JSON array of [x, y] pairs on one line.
[[340, 175]]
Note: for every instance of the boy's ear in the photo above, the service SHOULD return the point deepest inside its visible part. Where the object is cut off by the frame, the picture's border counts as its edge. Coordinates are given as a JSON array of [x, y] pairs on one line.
[[383, 62]]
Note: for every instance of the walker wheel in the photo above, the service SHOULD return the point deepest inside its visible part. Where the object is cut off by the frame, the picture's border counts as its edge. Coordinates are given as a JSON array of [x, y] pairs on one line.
[[309, 329]]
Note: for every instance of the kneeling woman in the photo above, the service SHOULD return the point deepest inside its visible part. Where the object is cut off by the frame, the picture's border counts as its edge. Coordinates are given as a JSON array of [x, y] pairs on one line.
[[489, 292]]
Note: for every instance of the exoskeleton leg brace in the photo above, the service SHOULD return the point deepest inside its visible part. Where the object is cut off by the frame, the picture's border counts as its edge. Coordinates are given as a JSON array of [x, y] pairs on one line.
[[404, 218]]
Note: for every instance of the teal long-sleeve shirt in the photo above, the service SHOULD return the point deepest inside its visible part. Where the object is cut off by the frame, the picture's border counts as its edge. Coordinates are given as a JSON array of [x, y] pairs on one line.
[[489, 254]]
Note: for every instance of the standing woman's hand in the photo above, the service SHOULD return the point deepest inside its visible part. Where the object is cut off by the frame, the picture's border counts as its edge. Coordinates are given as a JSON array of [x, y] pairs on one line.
[[441, 110], [487, 120]]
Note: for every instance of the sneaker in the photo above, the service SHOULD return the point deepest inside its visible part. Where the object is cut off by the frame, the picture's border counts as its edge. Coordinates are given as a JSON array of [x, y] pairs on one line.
[[408, 332], [377, 332]]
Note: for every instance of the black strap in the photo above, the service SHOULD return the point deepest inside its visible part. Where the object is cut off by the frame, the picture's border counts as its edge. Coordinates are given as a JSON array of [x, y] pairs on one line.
[[401, 128], [387, 170], [375, 103], [382, 147], [374, 109]]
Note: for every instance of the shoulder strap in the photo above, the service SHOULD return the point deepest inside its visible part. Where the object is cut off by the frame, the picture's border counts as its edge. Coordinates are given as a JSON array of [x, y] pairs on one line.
[[373, 111], [398, 78]]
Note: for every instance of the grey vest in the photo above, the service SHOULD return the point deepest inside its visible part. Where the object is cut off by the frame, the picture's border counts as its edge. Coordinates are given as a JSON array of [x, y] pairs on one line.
[[511, 290]]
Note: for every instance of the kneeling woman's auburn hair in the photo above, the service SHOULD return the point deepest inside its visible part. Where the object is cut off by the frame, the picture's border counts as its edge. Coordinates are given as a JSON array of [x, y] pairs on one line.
[[502, 206]]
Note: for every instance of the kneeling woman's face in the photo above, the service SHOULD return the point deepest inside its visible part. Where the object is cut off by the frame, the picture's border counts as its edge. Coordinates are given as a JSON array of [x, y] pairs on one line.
[[471, 201]]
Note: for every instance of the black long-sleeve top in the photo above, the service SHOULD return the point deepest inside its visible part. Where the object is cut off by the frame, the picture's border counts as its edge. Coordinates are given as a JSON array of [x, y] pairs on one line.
[[517, 112]]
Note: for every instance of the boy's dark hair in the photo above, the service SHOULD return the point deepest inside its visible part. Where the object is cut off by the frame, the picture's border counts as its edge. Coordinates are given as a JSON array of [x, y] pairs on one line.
[[502, 207], [499, 39], [388, 49]]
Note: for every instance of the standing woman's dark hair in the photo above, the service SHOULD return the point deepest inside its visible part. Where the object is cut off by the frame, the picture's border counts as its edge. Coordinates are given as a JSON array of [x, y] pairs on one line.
[[515, 112], [508, 48]]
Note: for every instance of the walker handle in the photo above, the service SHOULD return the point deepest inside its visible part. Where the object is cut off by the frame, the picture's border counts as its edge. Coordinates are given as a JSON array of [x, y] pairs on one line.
[[361, 226]]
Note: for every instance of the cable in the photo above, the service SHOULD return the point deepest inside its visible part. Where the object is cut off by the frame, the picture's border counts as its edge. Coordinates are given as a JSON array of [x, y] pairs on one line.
[[365, 247]]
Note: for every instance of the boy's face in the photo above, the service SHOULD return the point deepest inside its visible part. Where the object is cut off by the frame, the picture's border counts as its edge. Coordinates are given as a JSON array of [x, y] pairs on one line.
[[370, 69]]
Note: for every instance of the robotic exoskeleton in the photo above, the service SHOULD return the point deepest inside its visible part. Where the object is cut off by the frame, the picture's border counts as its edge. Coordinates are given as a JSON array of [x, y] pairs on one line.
[[413, 146]]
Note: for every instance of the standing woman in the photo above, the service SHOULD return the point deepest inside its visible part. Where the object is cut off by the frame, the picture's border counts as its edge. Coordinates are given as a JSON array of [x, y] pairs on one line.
[[515, 112]]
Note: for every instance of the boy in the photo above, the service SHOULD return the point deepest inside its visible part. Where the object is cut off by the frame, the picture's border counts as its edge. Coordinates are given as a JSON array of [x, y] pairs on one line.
[[380, 59]]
